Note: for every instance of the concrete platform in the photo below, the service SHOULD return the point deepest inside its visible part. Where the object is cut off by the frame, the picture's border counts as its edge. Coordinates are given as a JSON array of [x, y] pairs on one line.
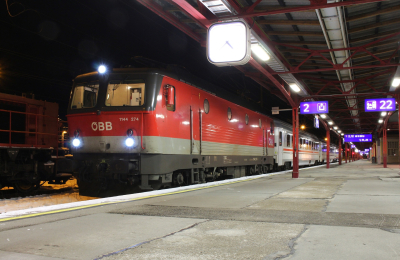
[[346, 212]]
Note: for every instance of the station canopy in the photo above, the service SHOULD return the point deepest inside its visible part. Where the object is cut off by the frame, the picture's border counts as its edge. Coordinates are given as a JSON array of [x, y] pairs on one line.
[[340, 51]]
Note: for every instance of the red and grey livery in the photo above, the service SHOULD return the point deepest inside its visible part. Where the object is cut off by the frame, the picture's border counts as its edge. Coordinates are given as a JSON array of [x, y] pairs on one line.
[[179, 133]]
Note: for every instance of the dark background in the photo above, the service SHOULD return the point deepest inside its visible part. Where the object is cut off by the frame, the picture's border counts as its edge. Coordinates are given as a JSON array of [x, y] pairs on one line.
[[45, 44]]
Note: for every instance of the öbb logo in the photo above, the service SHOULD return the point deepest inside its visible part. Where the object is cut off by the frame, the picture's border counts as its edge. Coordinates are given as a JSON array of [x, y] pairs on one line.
[[101, 126]]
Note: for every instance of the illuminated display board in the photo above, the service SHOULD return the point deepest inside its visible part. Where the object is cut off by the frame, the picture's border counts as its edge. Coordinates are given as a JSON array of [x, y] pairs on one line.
[[316, 122], [358, 138], [315, 107], [380, 104]]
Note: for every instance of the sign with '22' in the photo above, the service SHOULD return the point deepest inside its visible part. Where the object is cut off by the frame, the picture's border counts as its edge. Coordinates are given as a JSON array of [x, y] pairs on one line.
[[314, 107], [380, 104]]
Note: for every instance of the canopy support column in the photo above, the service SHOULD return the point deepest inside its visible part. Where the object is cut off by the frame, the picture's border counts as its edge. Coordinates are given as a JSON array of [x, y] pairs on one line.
[[340, 150], [328, 148], [295, 121]]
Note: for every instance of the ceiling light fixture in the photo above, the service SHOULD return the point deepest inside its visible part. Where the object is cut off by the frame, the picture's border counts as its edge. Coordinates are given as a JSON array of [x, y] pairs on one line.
[[260, 52], [294, 87], [396, 82]]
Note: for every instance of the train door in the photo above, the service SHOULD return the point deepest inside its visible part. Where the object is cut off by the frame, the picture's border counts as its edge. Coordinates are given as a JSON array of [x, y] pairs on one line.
[[265, 142], [280, 148], [195, 123], [319, 152]]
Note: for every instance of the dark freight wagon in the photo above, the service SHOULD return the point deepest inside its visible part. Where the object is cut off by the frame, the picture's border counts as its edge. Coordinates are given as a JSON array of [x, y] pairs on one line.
[[29, 153]]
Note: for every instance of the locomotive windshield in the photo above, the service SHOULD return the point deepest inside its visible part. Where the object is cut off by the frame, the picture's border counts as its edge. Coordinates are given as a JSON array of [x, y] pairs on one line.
[[125, 93], [85, 96]]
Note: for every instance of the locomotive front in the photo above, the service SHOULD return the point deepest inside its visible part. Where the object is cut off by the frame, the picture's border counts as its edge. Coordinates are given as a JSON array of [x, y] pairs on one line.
[[106, 117]]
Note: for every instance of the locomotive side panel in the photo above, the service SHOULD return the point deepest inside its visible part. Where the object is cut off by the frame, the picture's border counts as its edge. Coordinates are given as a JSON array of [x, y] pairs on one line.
[[241, 135], [168, 131]]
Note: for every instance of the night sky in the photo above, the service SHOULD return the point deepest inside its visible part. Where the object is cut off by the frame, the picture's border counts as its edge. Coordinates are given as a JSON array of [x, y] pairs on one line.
[[45, 44]]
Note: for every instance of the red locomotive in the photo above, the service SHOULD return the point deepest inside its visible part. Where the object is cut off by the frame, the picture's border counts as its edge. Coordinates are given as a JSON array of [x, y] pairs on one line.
[[155, 128]]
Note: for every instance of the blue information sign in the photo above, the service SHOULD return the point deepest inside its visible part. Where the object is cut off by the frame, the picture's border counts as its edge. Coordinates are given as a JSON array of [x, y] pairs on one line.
[[314, 107], [316, 122], [358, 138], [380, 104]]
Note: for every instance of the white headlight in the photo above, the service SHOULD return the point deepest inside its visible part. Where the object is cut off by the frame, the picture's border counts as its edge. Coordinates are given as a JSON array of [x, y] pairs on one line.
[[76, 142], [102, 69], [129, 142]]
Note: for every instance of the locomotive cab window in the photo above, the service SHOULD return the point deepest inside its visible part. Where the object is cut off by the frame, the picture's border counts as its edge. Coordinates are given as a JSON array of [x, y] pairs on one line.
[[288, 140], [247, 119], [229, 113], [85, 96], [125, 93]]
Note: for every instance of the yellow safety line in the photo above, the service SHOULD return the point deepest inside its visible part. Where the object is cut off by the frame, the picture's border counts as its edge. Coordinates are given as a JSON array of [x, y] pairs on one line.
[[123, 201]]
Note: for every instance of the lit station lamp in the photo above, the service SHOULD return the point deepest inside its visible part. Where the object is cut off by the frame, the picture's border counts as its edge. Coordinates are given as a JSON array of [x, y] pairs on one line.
[[322, 116], [260, 52], [330, 122], [383, 113], [380, 121], [294, 87], [335, 127], [302, 127], [396, 82]]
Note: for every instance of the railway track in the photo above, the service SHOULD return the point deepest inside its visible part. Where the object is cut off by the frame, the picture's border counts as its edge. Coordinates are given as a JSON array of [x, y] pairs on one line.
[[46, 195]]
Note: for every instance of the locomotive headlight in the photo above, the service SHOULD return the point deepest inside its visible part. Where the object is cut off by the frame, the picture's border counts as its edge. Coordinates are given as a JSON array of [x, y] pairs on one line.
[[76, 142], [129, 142], [102, 69]]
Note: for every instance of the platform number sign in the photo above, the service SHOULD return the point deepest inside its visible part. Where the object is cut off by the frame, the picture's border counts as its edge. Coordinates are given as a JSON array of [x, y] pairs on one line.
[[314, 107], [380, 104]]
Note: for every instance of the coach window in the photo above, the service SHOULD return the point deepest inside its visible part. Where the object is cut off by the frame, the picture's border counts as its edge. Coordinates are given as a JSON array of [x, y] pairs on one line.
[[288, 140], [272, 126], [229, 113], [247, 119], [206, 106], [280, 138], [259, 122]]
